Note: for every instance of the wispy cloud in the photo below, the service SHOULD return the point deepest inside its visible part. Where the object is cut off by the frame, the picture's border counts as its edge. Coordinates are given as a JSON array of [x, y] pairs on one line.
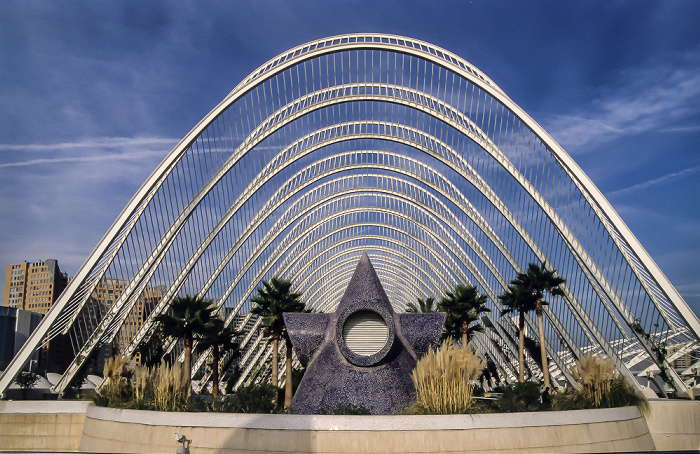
[[89, 150], [121, 156], [655, 98], [100, 142], [655, 181]]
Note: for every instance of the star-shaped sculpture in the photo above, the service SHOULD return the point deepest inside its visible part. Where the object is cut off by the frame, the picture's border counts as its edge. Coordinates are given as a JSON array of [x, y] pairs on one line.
[[363, 353]]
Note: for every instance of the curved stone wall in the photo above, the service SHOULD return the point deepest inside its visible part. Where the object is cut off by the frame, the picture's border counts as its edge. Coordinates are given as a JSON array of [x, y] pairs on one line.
[[612, 430], [68, 426]]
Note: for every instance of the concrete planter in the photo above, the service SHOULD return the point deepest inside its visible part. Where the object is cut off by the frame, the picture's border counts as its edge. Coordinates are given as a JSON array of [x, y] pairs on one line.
[[80, 426], [621, 429]]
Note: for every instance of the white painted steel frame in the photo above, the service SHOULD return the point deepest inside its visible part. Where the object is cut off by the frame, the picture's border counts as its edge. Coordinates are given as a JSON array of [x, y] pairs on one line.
[[669, 305]]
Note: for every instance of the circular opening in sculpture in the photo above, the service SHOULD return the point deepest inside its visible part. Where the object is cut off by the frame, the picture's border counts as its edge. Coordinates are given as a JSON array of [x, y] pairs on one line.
[[365, 333]]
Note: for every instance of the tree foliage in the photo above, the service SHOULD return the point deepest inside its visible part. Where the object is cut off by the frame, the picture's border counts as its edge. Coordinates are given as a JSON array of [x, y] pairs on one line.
[[220, 340], [463, 306], [425, 305], [189, 316], [536, 281], [518, 299], [272, 300]]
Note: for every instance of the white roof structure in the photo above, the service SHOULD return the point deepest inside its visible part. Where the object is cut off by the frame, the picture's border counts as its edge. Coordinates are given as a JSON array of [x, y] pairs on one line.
[[384, 144]]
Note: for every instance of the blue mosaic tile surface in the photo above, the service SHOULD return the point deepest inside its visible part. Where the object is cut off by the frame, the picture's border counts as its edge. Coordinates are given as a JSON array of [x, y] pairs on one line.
[[336, 376]]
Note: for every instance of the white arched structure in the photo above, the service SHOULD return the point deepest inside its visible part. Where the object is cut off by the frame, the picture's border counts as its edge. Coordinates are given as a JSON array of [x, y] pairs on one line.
[[392, 146]]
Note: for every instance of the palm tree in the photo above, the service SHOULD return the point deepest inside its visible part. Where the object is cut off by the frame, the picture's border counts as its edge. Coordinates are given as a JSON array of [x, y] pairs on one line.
[[424, 305], [518, 298], [274, 298], [221, 339], [463, 306], [538, 280], [191, 315]]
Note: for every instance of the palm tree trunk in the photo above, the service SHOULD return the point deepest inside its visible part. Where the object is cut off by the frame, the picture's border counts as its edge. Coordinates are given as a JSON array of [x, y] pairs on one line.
[[521, 347], [275, 360], [288, 379], [215, 372], [543, 347], [464, 334], [188, 364]]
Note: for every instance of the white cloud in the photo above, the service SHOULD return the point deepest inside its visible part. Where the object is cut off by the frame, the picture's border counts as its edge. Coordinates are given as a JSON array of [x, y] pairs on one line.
[[58, 199], [657, 98], [99, 142], [655, 181]]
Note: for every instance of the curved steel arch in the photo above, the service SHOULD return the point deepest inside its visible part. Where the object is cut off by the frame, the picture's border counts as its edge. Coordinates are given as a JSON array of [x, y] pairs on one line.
[[547, 209]]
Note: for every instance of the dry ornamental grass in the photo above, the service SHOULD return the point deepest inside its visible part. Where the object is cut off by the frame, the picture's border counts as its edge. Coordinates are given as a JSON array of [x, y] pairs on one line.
[[445, 380], [600, 386]]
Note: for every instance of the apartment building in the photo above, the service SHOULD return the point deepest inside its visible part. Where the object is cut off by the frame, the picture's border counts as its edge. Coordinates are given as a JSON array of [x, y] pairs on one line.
[[33, 286]]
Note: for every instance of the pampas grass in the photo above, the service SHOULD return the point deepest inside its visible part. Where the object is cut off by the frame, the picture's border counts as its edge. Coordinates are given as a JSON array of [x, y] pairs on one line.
[[171, 388], [445, 380], [600, 386], [117, 374], [161, 388]]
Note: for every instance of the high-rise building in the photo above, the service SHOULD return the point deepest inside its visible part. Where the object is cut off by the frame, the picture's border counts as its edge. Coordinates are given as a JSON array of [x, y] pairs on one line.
[[103, 297], [15, 327], [33, 286]]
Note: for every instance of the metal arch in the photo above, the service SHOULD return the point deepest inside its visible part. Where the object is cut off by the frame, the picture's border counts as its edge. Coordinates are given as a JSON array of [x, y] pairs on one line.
[[559, 225], [393, 289], [481, 136], [307, 286], [569, 343], [335, 44], [251, 288], [451, 265], [602, 207], [635, 270], [587, 265], [281, 269], [485, 286], [549, 348], [391, 169], [310, 228], [204, 246], [373, 248], [296, 254], [275, 258], [603, 299], [440, 239], [187, 211], [617, 235], [309, 283]]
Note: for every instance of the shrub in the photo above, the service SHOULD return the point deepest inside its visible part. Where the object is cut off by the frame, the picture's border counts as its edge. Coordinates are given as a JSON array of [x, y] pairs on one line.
[[255, 399], [518, 397], [26, 380], [444, 381], [600, 386]]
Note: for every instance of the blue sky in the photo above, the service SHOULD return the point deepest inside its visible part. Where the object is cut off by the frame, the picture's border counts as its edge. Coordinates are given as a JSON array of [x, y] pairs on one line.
[[94, 94]]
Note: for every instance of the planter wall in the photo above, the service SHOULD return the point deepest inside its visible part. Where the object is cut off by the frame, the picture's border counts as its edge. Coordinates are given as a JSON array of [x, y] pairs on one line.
[[38, 425], [79, 426], [622, 429]]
